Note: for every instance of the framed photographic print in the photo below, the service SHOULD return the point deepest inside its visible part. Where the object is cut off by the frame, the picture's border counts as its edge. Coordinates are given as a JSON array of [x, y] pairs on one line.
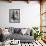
[[14, 15]]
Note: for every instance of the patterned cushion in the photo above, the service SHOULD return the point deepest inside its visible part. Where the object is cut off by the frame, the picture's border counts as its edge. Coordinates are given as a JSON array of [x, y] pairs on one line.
[[11, 30], [17, 30]]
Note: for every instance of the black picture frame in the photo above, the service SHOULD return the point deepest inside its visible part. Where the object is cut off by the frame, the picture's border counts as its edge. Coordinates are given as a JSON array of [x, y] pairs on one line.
[[14, 15]]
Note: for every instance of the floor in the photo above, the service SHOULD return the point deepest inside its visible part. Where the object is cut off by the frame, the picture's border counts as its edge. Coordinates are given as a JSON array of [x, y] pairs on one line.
[[35, 43]]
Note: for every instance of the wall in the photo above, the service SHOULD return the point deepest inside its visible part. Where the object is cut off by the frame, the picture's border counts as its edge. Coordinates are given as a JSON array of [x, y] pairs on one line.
[[29, 14]]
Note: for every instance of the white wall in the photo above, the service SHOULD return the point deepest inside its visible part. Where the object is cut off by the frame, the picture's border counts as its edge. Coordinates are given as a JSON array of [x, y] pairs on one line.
[[29, 14]]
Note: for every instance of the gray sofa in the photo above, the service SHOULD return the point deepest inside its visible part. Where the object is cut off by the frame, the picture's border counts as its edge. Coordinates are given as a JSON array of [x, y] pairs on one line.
[[22, 38], [17, 35]]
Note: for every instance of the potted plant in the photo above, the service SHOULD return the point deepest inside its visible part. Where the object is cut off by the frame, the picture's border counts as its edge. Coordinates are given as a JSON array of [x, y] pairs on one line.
[[36, 32]]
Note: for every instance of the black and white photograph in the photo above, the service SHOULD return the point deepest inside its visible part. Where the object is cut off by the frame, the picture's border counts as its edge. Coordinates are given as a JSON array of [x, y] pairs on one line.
[[14, 15]]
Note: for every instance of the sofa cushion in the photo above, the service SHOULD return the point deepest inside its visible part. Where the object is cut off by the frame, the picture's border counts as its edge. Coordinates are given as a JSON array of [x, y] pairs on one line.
[[11, 30], [17, 30], [23, 31]]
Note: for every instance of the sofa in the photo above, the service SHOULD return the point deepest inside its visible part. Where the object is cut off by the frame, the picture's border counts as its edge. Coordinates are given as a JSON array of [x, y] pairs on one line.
[[22, 34]]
